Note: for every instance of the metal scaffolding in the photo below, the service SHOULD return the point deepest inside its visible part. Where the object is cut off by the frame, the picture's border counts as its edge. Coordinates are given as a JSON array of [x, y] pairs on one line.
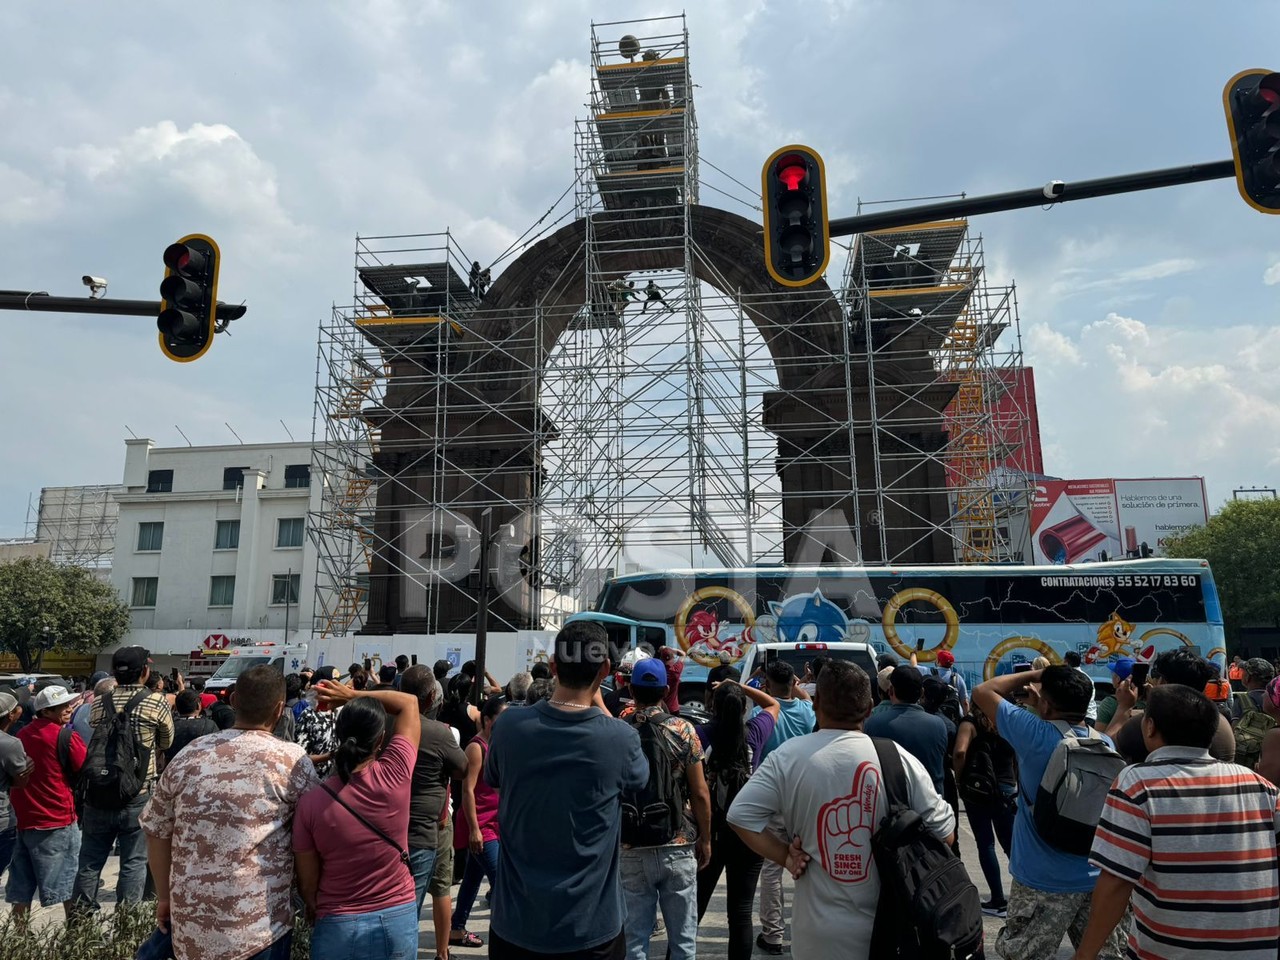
[[930, 331], [628, 399], [79, 523]]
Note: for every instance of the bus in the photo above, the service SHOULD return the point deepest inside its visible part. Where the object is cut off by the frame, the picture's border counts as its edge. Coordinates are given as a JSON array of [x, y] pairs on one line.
[[991, 617]]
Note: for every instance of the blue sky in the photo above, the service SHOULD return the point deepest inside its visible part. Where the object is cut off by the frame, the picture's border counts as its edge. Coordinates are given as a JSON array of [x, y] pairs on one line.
[[285, 129]]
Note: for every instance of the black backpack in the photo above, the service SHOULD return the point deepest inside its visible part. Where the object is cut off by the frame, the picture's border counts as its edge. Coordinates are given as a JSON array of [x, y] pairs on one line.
[[948, 699], [929, 909], [726, 778], [115, 769], [654, 815], [979, 784]]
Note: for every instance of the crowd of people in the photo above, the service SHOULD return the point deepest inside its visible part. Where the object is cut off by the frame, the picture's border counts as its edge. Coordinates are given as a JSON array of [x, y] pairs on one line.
[[598, 817]]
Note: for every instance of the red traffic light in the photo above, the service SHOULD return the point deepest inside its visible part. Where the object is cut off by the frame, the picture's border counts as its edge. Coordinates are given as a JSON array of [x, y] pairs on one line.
[[183, 259], [1251, 101], [792, 171]]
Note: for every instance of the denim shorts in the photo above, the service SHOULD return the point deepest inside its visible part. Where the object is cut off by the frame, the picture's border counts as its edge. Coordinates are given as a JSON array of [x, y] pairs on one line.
[[44, 861], [390, 934]]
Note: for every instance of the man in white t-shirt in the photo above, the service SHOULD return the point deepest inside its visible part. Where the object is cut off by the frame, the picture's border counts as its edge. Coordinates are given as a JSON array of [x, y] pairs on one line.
[[826, 790]]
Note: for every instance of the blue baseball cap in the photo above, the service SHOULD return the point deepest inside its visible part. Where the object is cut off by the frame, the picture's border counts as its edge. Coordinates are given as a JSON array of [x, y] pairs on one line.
[[1122, 667], [649, 673]]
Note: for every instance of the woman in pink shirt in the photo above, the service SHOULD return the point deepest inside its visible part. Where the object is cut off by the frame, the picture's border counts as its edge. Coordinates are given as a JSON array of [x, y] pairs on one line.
[[477, 830], [351, 836]]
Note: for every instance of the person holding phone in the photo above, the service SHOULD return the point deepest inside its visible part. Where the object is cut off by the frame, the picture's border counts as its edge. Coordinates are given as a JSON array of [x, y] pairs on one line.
[[1121, 668], [1181, 666]]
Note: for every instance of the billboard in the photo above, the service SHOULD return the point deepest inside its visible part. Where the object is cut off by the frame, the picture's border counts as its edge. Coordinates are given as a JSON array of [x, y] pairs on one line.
[[1078, 520]]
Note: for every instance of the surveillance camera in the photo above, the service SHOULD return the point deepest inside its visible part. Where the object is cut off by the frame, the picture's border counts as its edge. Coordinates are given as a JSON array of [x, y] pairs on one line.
[[97, 285], [1054, 189]]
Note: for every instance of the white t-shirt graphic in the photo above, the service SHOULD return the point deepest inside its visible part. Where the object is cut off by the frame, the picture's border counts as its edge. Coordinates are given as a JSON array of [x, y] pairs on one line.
[[826, 788]]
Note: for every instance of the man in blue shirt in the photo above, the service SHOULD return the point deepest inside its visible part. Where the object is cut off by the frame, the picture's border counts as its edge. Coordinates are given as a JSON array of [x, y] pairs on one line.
[[560, 768], [1049, 896], [795, 719], [906, 723]]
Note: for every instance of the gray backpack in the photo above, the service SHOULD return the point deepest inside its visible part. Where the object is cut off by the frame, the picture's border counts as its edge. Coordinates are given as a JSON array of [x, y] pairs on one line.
[[1074, 789]]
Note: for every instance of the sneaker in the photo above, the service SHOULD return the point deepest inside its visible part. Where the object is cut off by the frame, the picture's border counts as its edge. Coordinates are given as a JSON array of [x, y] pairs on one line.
[[773, 949], [993, 909]]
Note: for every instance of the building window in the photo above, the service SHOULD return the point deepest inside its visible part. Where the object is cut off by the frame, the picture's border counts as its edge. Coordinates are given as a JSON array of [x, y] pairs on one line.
[[233, 478], [289, 532], [227, 536], [222, 591], [150, 535], [284, 588], [160, 481], [144, 591], [297, 475]]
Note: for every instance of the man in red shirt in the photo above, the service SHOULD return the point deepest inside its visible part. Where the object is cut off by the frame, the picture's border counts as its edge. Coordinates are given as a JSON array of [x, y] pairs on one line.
[[673, 661], [48, 845]]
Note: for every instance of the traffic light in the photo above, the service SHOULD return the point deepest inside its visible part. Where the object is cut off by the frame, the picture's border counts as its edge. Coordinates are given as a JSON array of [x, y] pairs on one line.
[[189, 297], [1252, 103], [796, 245]]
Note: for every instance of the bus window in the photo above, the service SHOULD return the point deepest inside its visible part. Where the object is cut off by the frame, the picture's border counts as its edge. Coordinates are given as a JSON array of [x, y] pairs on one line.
[[619, 637], [656, 637]]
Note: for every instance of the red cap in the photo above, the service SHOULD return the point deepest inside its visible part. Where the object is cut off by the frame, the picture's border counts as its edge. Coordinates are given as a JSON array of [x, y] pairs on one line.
[[946, 658]]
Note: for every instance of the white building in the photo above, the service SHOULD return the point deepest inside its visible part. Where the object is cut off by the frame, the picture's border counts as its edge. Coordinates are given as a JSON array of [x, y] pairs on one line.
[[212, 543]]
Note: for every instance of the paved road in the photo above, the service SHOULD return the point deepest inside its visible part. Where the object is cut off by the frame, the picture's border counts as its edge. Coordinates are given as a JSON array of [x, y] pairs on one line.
[[713, 935]]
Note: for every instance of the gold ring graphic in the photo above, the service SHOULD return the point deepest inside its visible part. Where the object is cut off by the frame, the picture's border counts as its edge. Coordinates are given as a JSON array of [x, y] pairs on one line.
[[700, 596], [939, 602], [1010, 644]]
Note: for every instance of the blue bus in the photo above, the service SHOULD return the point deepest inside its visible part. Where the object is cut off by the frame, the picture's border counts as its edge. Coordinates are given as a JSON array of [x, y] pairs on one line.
[[990, 617]]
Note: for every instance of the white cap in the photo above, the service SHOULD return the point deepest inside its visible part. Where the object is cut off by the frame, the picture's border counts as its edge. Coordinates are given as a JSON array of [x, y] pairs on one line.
[[53, 696]]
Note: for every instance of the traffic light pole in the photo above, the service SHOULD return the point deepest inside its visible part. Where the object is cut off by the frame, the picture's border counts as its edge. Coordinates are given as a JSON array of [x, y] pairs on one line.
[[1035, 197], [11, 300]]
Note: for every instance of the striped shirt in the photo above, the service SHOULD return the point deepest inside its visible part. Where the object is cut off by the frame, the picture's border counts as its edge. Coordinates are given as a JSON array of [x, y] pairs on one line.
[[152, 720], [1197, 837]]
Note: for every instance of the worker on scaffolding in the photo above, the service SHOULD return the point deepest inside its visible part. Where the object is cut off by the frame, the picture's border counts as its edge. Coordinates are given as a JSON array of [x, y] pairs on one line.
[[621, 293], [652, 293], [478, 280]]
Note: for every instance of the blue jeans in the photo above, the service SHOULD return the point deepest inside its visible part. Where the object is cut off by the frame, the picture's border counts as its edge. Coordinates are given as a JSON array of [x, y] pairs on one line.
[[989, 823], [44, 861], [390, 934], [8, 840], [485, 865], [667, 877], [422, 863], [99, 831]]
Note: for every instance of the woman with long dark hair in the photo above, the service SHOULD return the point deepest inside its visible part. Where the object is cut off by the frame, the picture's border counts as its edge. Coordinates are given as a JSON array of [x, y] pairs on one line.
[[477, 830], [987, 774], [458, 710], [734, 742], [351, 835]]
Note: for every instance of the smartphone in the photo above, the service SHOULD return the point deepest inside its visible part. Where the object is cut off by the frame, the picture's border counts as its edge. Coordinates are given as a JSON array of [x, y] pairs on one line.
[[1139, 674], [413, 659], [1022, 668], [920, 645], [368, 666], [174, 674]]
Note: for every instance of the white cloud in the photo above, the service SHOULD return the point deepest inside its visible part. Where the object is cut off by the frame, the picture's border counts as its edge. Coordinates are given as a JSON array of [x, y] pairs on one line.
[[1049, 348], [1272, 276]]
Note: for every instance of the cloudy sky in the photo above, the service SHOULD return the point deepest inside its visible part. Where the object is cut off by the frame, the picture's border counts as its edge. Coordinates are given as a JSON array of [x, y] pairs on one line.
[[284, 129]]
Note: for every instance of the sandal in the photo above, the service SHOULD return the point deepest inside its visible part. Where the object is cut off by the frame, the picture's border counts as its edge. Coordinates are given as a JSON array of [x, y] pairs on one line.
[[468, 940]]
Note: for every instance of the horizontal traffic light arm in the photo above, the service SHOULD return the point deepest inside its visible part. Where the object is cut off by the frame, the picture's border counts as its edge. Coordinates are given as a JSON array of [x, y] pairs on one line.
[[12, 300], [1034, 197]]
